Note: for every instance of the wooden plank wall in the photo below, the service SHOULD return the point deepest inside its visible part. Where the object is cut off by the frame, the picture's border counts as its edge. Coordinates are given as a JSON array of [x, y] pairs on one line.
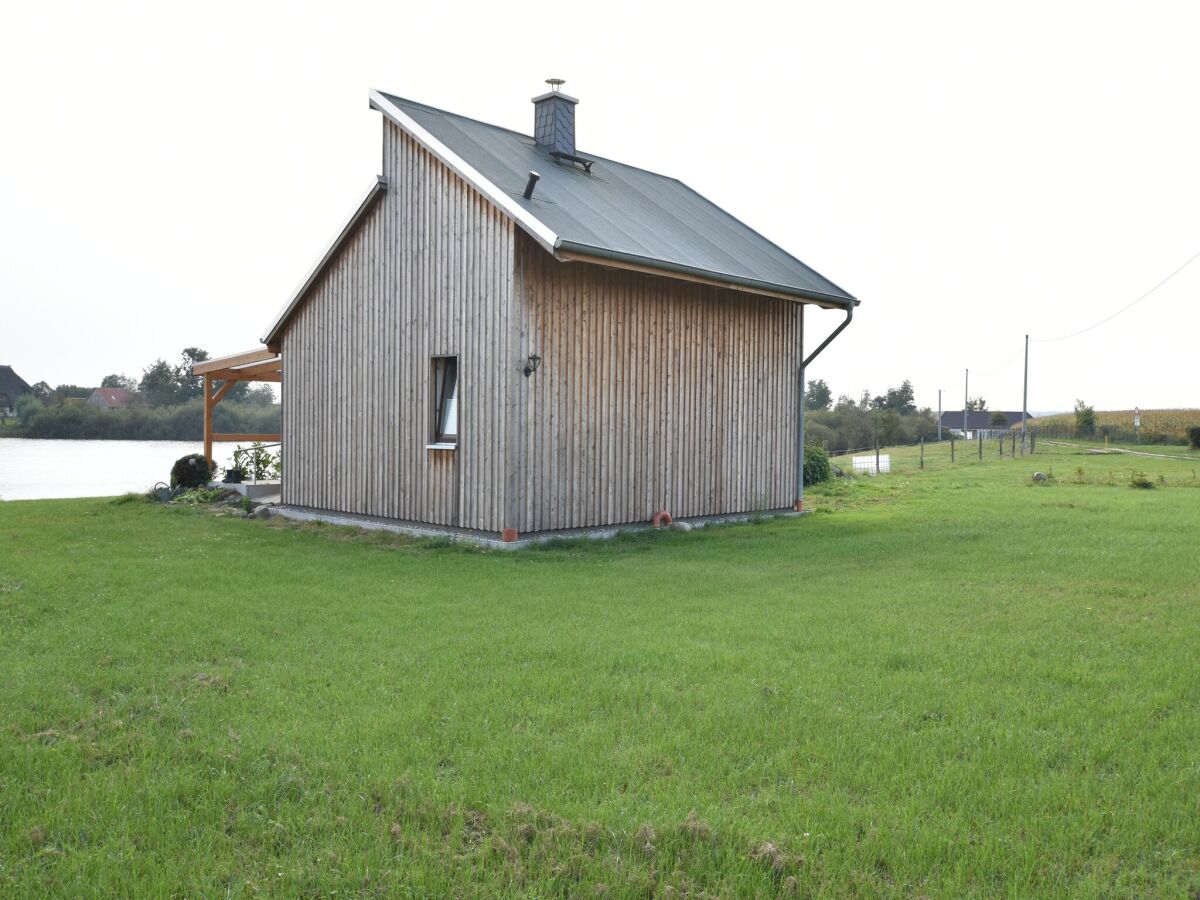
[[653, 393], [428, 273]]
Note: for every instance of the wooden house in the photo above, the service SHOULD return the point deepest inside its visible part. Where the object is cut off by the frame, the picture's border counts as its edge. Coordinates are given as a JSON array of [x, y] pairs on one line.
[[510, 337]]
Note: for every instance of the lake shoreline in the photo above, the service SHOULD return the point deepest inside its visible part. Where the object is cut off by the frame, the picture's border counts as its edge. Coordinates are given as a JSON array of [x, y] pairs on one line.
[[63, 468]]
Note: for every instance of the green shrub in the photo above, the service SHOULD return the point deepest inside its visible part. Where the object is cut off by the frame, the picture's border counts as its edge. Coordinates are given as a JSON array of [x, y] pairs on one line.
[[1085, 420], [1140, 480], [191, 471], [1193, 434], [816, 464]]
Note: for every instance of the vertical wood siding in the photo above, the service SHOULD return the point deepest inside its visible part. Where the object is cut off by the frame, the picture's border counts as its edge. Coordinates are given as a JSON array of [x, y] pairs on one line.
[[653, 394], [429, 272]]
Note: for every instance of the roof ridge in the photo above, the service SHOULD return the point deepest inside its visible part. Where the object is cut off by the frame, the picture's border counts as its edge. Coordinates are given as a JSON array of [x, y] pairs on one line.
[[521, 134]]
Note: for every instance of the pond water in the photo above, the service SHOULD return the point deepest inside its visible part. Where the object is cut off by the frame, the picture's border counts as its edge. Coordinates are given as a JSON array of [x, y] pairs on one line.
[[36, 469]]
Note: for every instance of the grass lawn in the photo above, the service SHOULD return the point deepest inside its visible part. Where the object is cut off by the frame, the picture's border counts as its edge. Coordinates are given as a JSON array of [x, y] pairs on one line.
[[948, 682], [1182, 450]]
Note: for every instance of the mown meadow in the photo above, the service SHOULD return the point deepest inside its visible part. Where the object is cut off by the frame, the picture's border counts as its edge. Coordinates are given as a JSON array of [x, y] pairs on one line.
[[946, 682]]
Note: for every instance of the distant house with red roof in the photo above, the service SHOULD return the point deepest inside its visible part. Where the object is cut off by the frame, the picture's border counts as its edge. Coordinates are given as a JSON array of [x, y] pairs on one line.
[[111, 398]]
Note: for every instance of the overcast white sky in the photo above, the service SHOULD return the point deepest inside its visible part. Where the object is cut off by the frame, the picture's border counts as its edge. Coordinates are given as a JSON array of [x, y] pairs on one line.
[[971, 172]]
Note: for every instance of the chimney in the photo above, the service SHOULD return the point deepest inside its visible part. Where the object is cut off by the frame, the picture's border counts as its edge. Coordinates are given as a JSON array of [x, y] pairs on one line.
[[554, 120]]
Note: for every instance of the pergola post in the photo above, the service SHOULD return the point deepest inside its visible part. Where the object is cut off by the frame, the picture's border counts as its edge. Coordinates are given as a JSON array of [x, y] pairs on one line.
[[208, 417]]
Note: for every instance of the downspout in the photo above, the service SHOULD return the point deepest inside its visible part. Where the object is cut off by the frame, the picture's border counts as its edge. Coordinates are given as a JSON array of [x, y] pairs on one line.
[[799, 505]]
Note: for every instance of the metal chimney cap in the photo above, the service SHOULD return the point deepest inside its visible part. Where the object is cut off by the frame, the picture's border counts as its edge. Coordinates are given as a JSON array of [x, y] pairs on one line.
[[555, 83], [555, 95]]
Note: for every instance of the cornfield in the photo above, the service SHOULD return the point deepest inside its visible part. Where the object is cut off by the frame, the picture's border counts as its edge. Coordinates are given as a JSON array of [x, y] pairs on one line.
[[1159, 426]]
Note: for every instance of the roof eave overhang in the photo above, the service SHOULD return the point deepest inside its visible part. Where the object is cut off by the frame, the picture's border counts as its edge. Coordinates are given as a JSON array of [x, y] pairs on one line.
[[571, 251], [374, 192]]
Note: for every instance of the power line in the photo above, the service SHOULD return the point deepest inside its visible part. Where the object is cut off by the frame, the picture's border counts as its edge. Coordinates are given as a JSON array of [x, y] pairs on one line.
[[1064, 337], [1004, 365]]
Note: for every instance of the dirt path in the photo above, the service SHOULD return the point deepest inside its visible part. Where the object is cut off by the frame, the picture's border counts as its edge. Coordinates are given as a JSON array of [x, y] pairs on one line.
[[1103, 450]]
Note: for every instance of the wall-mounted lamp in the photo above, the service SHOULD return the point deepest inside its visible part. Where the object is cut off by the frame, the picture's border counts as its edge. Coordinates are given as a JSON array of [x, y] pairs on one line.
[[532, 364]]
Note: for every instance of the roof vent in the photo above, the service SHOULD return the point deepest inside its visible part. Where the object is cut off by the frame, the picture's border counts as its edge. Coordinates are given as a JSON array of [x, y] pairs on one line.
[[530, 185], [554, 123]]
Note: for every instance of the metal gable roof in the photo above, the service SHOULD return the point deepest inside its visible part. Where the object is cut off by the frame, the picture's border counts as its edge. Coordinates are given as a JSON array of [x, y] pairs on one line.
[[618, 211]]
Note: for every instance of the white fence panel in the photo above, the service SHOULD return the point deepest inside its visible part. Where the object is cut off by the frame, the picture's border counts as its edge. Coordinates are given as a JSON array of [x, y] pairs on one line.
[[866, 464]]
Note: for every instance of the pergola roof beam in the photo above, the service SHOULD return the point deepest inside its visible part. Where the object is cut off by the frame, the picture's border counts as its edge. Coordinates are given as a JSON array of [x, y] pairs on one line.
[[235, 359], [248, 373]]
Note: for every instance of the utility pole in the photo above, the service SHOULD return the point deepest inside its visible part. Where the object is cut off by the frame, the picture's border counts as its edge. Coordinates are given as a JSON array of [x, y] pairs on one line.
[[939, 414], [966, 396], [1025, 397]]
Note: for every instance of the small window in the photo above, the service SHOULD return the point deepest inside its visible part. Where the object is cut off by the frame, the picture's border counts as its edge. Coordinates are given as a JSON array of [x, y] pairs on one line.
[[445, 399]]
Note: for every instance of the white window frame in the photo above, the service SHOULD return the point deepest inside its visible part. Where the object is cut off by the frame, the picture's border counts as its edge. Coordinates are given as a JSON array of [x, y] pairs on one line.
[[444, 402]]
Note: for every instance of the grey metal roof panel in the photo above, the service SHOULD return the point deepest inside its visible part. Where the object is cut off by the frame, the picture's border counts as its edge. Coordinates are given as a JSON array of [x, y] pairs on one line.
[[622, 211]]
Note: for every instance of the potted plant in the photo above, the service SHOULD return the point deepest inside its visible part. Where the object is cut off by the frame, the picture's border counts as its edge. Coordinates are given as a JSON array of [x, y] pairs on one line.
[[234, 475]]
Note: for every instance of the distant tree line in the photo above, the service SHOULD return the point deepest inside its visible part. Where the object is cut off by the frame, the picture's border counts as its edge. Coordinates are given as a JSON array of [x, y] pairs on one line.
[[161, 384], [847, 424], [183, 422], [166, 403]]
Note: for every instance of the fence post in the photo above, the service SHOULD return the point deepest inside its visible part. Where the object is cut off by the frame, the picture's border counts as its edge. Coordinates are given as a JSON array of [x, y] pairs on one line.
[[951, 448], [1000, 441], [922, 453], [1031, 442], [1013, 448], [876, 456], [981, 446]]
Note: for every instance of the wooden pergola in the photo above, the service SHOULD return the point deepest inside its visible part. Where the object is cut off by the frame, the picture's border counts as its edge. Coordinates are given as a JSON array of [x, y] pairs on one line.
[[226, 371]]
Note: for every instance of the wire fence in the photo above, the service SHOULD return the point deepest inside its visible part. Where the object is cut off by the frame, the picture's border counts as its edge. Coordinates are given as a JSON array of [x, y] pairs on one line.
[[1011, 443], [1115, 434], [1015, 441]]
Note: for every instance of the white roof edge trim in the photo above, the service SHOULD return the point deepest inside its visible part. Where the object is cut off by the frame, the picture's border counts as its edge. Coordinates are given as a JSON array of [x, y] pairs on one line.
[[536, 228], [364, 205]]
